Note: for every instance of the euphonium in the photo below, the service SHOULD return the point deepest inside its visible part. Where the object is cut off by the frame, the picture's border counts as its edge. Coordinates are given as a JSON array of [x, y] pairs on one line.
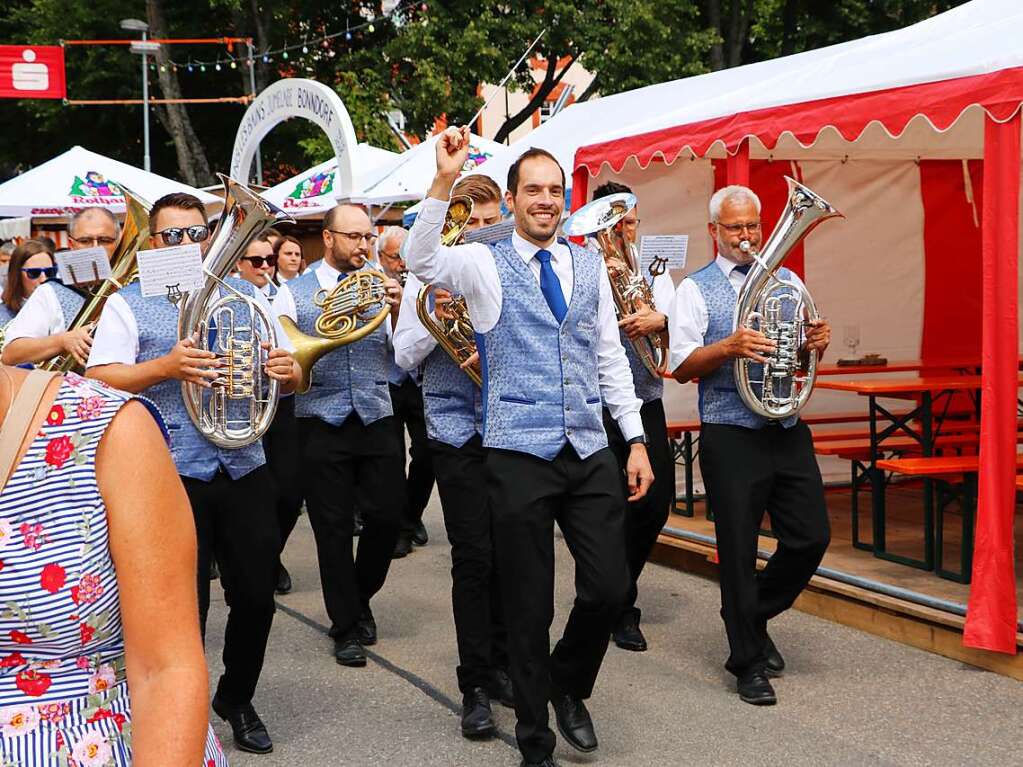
[[454, 334], [782, 310], [601, 219], [123, 271], [240, 405], [359, 297]]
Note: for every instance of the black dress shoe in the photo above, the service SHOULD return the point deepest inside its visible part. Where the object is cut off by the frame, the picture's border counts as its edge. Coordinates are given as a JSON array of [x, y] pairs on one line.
[[775, 664], [366, 628], [755, 688], [350, 653], [627, 634], [283, 581], [477, 718], [574, 723], [249, 731], [403, 547], [548, 762], [419, 535], [500, 688]]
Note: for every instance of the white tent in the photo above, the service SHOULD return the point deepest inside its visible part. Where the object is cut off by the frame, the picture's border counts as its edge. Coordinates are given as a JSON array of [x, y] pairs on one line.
[[407, 176], [312, 193], [79, 179]]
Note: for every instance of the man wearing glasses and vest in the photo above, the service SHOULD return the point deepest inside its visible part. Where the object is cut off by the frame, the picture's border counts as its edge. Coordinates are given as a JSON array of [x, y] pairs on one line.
[[351, 446], [40, 331]]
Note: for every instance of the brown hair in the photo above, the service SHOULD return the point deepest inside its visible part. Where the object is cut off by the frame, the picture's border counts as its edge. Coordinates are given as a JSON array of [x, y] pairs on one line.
[[478, 188], [283, 238], [182, 200], [14, 291], [530, 154]]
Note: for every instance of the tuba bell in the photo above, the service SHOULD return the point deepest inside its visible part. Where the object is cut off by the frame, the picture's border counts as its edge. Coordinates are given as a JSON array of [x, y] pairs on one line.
[[239, 407], [455, 334], [601, 219], [782, 310], [123, 271]]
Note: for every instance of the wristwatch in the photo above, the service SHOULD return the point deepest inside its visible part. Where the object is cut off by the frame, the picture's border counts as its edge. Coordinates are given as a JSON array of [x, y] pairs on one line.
[[640, 440]]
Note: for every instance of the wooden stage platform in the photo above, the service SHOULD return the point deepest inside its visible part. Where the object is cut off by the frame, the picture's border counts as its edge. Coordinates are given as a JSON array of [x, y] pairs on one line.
[[900, 619]]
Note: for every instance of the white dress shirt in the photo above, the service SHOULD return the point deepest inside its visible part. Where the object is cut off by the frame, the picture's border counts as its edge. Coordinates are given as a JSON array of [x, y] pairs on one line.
[[283, 302], [116, 340], [470, 271], [40, 316], [688, 318], [412, 341]]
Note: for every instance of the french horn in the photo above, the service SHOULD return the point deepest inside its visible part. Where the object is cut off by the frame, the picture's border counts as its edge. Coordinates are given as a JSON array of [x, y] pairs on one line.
[[782, 310]]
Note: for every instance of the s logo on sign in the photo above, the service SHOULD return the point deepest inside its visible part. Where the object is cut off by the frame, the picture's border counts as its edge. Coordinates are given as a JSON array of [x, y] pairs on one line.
[[32, 72]]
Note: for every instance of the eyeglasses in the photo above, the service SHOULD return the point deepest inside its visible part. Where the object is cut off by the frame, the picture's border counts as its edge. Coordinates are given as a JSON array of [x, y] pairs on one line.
[[752, 226], [259, 261], [93, 242], [174, 235], [35, 272], [356, 237]]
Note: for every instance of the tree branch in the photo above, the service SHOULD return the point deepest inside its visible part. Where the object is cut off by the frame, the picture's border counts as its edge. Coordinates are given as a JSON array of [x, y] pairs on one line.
[[550, 81]]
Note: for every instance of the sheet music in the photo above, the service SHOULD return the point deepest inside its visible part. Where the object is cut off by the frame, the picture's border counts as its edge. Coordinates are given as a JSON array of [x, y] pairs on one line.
[[166, 271], [80, 267], [663, 250]]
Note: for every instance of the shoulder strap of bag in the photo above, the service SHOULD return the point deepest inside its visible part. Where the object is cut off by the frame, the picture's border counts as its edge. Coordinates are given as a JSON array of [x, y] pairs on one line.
[[19, 419]]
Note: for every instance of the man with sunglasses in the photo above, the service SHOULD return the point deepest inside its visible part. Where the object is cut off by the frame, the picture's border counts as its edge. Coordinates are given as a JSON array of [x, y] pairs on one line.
[[749, 463], [350, 443], [40, 331], [231, 491]]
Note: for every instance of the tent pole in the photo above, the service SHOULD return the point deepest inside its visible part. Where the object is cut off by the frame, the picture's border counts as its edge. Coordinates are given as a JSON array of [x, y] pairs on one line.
[[991, 612]]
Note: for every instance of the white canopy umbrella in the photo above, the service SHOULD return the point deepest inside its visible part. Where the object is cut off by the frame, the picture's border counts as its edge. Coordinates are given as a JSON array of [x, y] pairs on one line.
[[80, 179], [407, 176], [312, 193]]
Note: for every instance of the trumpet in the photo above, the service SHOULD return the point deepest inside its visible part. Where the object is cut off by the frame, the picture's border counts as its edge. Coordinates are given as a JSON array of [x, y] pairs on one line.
[[455, 333]]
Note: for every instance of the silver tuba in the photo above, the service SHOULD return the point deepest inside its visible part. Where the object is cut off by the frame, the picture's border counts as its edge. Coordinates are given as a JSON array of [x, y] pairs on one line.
[[782, 310], [240, 405]]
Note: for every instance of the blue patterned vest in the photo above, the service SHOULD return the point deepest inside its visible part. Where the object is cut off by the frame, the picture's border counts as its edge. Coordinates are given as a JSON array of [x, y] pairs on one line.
[[194, 455], [647, 387], [70, 301], [540, 381], [451, 401], [6, 315], [353, 377], [719, 398]]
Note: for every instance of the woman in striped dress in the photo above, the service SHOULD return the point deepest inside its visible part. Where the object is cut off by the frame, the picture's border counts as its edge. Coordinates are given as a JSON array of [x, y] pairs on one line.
[[93, 488]]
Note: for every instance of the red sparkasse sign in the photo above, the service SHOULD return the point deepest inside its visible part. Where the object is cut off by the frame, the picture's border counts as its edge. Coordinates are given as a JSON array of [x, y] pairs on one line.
[[32, 72]]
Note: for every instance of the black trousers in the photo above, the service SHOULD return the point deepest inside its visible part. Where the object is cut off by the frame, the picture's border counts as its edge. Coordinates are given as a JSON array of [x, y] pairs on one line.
[[475, 597], [236, 523], [342, 462], [527, 496], [284, 460], [644, 518], [748, 471], [407, 403]]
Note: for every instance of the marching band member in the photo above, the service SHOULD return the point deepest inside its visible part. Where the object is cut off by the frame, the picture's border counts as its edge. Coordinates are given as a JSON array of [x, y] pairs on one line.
[[453, 422], [289, 259], [40, 330], [280, 443], [137, 349], [350, 445], [748, 463], [645, 518], [31, 265], [407, 402], [550, 352]]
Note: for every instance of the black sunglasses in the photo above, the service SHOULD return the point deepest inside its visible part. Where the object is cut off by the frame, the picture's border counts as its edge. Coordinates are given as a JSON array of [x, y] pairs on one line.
[[35, 272], [258, 261], [174, 235]]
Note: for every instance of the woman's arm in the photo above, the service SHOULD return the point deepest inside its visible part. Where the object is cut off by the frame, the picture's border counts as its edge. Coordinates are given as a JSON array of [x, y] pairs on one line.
[[152, 541]]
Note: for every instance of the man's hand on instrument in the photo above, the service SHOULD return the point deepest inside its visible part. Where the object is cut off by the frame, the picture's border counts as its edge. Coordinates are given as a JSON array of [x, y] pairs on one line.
[[441, 302], [280, 365], [78, 343], [644, 322], [818, 337], [638, 471], [472, 362], [452, 151], [392, 292], [186, 363], [745, 342]]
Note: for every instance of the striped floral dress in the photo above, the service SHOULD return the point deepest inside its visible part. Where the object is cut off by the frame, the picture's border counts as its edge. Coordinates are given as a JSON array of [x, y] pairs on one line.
[[63, 694]]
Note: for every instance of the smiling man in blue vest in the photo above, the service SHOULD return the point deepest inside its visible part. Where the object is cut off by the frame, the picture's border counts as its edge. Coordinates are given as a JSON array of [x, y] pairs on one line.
[[549, 355], [748, 463], [351, 446], [136, 348]]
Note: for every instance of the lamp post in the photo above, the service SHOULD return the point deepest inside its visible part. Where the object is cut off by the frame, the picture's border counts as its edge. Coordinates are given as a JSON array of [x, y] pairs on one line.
[[145, 48]]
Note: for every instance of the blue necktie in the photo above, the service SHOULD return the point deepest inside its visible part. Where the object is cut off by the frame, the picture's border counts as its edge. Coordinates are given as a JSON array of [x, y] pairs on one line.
[[744, 268], [550, 286]]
